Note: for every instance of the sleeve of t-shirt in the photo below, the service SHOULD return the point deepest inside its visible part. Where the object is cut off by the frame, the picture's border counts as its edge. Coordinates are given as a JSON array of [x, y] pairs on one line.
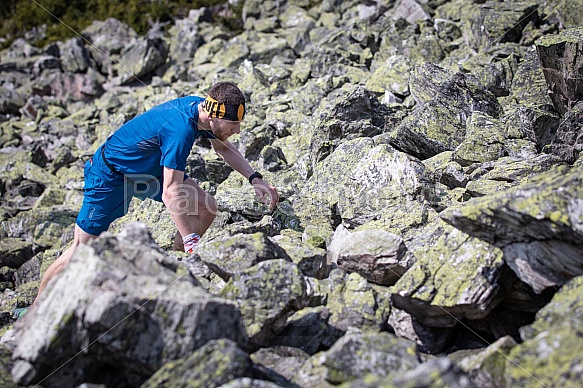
[[176, 141]]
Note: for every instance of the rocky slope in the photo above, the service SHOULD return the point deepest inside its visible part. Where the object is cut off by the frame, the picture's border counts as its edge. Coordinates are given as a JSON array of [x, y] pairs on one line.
[[431, 223]]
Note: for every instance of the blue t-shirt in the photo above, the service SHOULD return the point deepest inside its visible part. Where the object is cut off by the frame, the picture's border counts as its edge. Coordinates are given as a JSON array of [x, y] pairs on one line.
[[160, 137]]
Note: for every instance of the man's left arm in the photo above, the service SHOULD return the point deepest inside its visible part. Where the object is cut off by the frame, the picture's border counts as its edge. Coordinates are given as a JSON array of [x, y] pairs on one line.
[[231, 155]]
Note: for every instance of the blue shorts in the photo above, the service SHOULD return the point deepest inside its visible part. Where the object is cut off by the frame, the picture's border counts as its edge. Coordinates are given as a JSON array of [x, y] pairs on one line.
[[107, 194]]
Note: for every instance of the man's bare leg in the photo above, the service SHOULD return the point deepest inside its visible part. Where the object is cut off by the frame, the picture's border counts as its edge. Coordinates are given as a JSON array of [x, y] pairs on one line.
[[202, 211], [81, 237]]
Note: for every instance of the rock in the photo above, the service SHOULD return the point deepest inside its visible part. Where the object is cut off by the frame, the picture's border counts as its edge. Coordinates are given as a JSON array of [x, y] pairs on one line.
[[236, 195], [552, 337], [456, 276], [540, 230], [379, 256], [230, 255], [487, 368], [5, 366], [535, 117], [286, 361], [355, 355], [140, 58], [484, 140], [411, 11], [108, 38], [14, 252], [495, 21], [434, 127], [74, 57], [435, 372], [11, 101], [91, 305], [308, 330], [567, 141], [384, 118], [432, 340], [359, 180], [214, 364], [355, 115], [311, 260], [267, 294], [506, 172], [559, 56], [352, 302]]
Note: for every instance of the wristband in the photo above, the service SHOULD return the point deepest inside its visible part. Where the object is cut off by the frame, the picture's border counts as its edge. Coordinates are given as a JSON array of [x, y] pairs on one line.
[[256, 174], [190, 242]]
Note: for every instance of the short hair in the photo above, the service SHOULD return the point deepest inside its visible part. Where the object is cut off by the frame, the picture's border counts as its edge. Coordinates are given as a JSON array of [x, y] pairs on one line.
[[227, 93]]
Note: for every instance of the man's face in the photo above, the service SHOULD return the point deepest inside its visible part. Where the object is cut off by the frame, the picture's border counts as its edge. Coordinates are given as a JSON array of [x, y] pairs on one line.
[[223, 129]]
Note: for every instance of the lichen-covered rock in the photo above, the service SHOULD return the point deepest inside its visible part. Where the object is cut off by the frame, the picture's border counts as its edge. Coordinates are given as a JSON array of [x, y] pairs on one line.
[[568, 12], [108, 38], [44, 227], [14, 252], [284, 360], [310, 259], [436, 372], [529, 89], [561, 65], [456, 276], [540, 242], [440, 124], [267, 294], [5, 366], [344, 99], [402, 219], [309, 330], [359, 180], [229, 255], [498, 21], [353, 302], [392, 75], [378, 256], [506, 172], [484, 140], [356, 114], [214, 364], [567, 143], [356, 355], [550, 351], [432, 340], [487, 368], [236, 195], [122, 302], [494, 73], [154, 215]]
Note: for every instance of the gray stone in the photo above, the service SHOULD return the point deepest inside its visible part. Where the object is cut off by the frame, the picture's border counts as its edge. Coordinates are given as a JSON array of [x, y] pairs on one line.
[[122, 303]]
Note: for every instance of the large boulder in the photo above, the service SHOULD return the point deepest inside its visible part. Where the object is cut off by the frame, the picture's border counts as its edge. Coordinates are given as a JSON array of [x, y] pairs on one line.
[[379, 256], [120, 301], [455, 276], [267, 294], [536, 224], [439, 124]]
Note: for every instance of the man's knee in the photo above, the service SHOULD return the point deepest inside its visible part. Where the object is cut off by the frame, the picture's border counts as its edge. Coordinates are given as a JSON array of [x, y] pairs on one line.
[[82, 237], [210, 204]]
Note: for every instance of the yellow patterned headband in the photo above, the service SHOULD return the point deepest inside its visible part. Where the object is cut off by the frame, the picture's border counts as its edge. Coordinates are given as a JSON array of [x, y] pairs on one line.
[[223, 111]]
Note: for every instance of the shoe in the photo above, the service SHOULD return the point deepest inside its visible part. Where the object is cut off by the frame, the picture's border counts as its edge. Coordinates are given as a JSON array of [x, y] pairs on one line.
[[18, 313]]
